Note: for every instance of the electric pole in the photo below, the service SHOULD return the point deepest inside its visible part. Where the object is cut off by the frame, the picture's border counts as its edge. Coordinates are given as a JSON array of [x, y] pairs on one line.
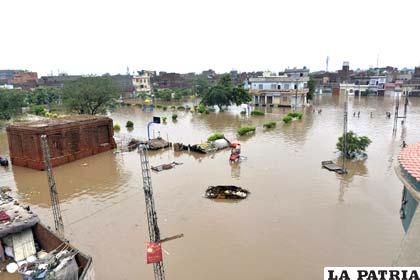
[[55, 203], [154, 233]]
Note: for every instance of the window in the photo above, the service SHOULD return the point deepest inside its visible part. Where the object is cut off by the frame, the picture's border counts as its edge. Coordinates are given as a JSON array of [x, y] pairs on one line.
[[260, 86], [273, 86], [286, 86], [279, 86]]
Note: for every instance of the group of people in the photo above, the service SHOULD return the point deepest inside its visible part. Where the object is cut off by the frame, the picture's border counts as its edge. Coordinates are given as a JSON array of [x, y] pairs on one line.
[[358, 114]]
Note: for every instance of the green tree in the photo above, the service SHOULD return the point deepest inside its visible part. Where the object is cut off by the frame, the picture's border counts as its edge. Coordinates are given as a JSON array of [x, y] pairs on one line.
[[225, 94], [164, 94], [202, 86], [311, 87], [355, 144], [44, 95], [89, 95], [11, 103]]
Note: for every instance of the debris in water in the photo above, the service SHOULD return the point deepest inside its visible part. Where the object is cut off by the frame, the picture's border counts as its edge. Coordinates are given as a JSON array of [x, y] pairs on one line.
[[226, 192], [165, 166]]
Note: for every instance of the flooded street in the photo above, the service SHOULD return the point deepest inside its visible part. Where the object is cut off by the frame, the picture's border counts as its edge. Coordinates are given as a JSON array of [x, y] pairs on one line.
[[298, 218]]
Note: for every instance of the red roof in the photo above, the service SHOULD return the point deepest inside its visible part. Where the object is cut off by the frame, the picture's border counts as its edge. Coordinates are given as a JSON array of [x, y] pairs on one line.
[[409, 159]]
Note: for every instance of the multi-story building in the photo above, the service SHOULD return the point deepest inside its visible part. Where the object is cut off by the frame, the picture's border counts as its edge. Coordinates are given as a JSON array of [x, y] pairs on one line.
[[6, 76], [283, 90], [142, 82], [25, 80]]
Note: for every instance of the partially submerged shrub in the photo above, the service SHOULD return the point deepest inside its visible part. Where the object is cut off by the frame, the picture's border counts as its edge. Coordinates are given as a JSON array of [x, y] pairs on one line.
[[295, 115], [164, 119], [129, 124], [245, 130], [243, 112], [201, 109], [173, 107], [215, 137], [270, 125], [158, 106], [257, 113], [117, 127], [287, 119], [181, 108], [174, 117], [356, 145], [164, 108]]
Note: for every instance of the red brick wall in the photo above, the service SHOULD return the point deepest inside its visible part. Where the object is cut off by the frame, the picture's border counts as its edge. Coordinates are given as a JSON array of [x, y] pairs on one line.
[[66, 142]]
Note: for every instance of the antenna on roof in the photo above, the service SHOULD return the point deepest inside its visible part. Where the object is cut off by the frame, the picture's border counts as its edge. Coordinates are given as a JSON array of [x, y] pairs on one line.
[[326, 62]]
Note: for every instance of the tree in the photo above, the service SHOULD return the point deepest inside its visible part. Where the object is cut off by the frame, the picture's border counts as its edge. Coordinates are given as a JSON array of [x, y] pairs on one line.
[[89, 95], [225, 94], [11, 103], [355, 144], [311, 87], [217, 95], [44, 95]]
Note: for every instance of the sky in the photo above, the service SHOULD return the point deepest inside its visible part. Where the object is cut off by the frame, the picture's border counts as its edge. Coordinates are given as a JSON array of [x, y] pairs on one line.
[[107, 36]]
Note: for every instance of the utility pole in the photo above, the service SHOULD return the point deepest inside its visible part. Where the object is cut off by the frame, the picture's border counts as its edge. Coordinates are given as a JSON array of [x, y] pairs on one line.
[[345, 130], [55, 203], [154, 233], [296, 94]]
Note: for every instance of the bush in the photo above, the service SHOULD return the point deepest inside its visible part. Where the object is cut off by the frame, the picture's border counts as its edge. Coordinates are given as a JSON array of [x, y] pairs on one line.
[[164, 119], [246, 129], [270, 125], [215, 137], [158, 106], [257, 113], [174, 117], [117, 127], [164, 108], [295, 115], [38, 110], [355, 144], [181, 108], [51, 115], [201, 109], [287, 119], [129, 124]]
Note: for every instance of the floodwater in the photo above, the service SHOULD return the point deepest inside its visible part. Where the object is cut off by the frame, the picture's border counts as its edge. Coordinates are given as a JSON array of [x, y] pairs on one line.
[[298, 218]]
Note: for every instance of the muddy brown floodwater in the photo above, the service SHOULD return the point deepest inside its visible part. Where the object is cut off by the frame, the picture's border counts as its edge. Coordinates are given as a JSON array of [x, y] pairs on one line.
[[298, 218]]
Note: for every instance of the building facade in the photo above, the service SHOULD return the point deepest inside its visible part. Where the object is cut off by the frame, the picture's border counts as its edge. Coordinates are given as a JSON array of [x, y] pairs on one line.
[[142, 82], [272, 89]]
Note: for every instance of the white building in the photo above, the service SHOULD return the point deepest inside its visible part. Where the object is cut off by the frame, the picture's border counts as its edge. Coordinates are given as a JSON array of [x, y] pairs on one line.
[[282, 90], [142, 82]]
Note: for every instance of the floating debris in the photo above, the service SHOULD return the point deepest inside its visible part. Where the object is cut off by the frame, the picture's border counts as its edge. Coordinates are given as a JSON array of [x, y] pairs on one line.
[[226, 192], [332, 166], [165, 166]]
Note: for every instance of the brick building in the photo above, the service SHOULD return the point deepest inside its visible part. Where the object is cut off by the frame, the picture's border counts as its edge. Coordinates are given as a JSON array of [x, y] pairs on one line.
[[70, 138], [25, 80]]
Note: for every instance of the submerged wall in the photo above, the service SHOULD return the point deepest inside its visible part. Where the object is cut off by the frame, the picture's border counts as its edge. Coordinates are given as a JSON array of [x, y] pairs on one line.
[[69, 139]]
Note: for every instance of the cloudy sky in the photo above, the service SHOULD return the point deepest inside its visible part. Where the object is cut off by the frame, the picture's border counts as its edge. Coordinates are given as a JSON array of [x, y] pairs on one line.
[[107, 36]]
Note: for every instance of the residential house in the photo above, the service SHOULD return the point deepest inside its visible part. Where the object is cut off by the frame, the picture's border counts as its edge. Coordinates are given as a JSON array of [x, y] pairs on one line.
[[283, 90], [142, 82]]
